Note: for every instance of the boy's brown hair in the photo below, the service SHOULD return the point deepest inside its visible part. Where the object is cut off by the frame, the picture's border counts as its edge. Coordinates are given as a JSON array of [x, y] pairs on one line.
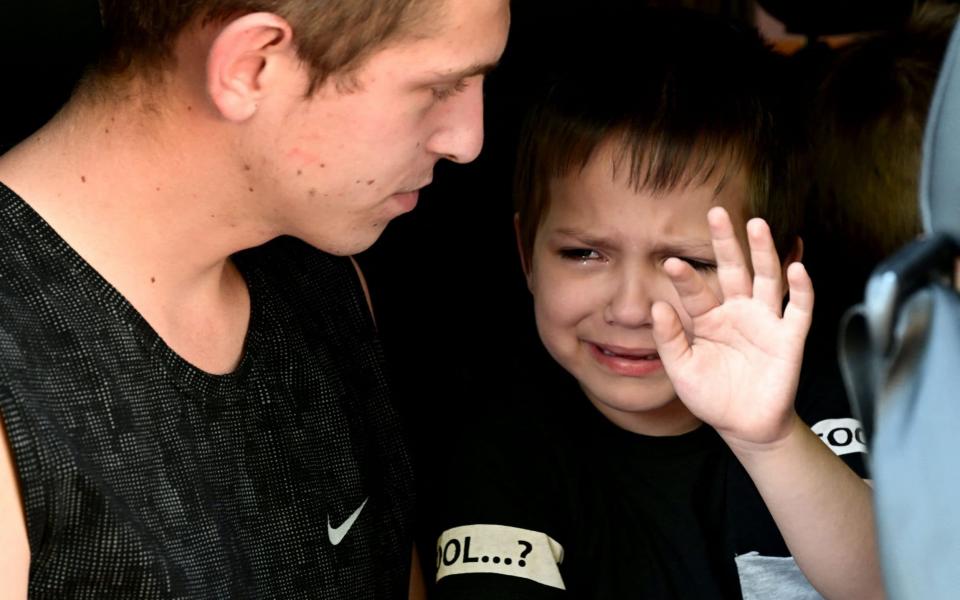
[[687, 98], [332, 36]]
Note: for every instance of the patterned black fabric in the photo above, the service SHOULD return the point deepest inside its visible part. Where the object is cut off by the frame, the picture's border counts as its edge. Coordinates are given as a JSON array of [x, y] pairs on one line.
[[144, 477]]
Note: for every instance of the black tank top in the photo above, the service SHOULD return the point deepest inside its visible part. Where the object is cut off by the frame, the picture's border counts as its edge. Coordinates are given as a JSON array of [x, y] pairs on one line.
[[145, 477]]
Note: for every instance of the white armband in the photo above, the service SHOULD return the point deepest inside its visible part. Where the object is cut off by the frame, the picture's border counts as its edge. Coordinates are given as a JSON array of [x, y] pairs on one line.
[[843, 436], [501, 550]]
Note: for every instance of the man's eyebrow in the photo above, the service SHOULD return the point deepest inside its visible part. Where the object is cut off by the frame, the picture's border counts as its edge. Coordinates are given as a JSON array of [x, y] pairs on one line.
[[471, 71]]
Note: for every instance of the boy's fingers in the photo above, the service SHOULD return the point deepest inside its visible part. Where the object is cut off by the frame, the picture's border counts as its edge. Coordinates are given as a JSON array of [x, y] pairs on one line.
[[732, 272], [668, 334], [767, 286], [799, 310], [695, 297]]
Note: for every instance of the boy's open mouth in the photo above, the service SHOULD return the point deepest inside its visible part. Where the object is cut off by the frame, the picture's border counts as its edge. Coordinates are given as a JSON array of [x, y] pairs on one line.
[[629, 356], [625, 352], [630, 362]]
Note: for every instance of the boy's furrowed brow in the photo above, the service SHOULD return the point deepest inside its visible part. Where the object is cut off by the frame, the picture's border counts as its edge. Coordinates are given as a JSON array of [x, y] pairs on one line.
[[585, 237], [681, 248]]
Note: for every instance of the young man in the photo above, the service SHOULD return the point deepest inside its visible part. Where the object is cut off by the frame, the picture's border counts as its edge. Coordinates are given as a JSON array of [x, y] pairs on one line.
[[186, 417], [662, 455]]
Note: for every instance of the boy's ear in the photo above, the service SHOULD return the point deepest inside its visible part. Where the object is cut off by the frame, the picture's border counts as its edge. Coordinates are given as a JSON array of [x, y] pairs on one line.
[[249, 56], [794, 255], [524, 260]]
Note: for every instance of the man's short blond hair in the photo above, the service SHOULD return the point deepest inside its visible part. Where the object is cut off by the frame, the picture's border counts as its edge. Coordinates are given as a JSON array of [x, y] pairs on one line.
[[331, 36]]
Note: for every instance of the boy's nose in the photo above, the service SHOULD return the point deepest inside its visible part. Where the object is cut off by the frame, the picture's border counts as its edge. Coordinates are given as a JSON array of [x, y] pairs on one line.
[[630, 304], [459, 136]]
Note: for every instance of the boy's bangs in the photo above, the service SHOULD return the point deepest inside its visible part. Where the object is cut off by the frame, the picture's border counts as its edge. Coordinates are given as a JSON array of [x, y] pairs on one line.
[[656, 164], [662, 165]]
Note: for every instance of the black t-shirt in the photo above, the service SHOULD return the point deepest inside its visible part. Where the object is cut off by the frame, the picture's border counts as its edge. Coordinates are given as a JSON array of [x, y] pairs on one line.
[[594, 511]]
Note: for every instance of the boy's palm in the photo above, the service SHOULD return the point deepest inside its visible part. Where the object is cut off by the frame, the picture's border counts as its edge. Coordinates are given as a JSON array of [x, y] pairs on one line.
[[738, 369]]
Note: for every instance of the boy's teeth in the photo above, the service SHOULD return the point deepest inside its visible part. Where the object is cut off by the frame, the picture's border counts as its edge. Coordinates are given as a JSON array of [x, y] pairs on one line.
[[630, 356]]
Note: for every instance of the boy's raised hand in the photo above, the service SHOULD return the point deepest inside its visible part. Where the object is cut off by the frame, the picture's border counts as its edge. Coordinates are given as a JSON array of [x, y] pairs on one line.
[[737, 370]]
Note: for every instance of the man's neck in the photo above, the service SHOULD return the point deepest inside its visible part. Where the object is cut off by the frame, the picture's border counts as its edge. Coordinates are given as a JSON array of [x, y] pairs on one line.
[[149, 206]]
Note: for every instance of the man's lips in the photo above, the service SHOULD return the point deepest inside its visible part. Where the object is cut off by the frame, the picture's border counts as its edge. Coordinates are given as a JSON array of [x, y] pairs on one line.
[[407, 200], [631, 362]]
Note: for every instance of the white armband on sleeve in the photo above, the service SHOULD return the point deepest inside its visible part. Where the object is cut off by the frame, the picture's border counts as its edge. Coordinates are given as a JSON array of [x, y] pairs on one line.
[[500, 550], [843, 436]]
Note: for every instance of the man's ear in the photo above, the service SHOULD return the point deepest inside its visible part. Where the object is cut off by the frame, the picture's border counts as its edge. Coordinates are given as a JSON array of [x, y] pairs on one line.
[[245, 59], [524, 259], [794, 255]]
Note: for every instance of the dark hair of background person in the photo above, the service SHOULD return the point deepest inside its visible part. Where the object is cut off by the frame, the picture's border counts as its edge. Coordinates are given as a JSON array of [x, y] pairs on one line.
[[866, 124], [866, 104]]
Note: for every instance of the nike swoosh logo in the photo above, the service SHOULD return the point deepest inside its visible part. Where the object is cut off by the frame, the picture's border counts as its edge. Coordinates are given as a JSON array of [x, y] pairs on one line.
[[336, 534]]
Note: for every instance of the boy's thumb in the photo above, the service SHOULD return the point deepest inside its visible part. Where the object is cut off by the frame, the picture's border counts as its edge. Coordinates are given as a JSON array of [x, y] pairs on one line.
[[668, 334]]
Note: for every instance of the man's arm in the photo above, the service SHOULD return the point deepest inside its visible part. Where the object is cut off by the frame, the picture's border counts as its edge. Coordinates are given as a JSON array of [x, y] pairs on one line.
[[14, 548], [738, 371], [418, 588]]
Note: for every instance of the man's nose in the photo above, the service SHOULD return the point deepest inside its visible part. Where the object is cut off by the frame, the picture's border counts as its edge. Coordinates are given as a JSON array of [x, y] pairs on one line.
[[459, 136]]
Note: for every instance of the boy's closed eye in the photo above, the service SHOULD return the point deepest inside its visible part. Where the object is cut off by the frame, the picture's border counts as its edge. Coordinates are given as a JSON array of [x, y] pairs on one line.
[[699, 264], [583, 255]]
